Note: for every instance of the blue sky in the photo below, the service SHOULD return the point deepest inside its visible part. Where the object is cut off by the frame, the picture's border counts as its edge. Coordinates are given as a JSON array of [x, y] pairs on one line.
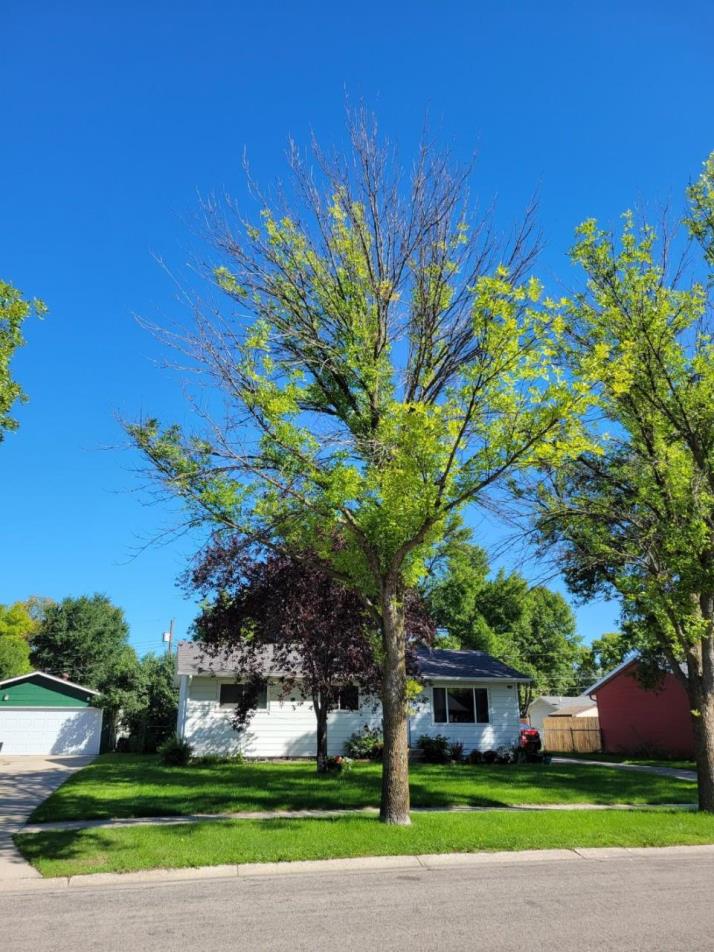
[[118, 115]]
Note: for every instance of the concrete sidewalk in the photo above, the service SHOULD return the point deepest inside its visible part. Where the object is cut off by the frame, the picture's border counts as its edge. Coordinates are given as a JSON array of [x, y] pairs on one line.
[[676, 772], [332, 814], [434, 861], [24, 783]]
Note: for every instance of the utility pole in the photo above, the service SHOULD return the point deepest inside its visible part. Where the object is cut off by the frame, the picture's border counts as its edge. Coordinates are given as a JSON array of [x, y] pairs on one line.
[[168, 637]]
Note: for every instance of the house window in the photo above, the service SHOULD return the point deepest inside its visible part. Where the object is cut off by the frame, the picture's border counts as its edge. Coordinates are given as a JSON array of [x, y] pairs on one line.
[[233, 694], [481, 695], [460, 705], [348, 698], [440, 706]]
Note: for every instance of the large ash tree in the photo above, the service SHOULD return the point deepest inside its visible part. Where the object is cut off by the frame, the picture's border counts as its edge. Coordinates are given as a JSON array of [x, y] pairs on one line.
[[291, 611], [381, 363], [636, 517]]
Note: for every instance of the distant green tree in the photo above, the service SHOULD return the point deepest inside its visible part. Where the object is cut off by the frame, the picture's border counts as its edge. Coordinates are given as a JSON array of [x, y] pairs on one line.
[[84, 638], [608, 651], [122, 692], [548, 645], [16, 621], [16, 627], [532, 629], [454, 592], [14, 310], [14, 656], [36, 606], [152, 714]]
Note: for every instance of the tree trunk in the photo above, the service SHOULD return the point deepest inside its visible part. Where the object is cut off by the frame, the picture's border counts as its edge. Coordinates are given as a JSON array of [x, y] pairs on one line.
[[321, 715], [704, 753], [395, 769], [701, 696]]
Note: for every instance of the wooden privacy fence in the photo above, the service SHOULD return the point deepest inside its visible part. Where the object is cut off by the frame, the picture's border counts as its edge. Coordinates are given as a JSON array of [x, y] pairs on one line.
[[571, 735]]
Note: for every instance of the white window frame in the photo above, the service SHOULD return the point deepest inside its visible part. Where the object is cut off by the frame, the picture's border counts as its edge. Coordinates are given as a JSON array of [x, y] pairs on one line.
[[447, 722]]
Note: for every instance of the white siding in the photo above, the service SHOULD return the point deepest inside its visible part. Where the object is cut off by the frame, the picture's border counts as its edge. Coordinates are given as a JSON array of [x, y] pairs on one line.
[[53, 731], [286, 729], [502, 729]]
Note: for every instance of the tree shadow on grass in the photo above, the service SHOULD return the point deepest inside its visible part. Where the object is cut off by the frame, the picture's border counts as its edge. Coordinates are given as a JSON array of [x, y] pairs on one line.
[[125, 786]]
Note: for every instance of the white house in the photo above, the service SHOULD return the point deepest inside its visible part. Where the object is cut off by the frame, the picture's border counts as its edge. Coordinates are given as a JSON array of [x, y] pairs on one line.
[[550, 705], [468, 696]]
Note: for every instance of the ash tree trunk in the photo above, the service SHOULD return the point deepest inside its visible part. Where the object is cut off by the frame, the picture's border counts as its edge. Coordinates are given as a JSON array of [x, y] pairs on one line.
[[394, 807], [700, 686]]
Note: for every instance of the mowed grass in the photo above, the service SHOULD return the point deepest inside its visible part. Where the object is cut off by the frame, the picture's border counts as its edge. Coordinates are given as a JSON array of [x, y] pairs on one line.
[[120, 785], [245, 841]]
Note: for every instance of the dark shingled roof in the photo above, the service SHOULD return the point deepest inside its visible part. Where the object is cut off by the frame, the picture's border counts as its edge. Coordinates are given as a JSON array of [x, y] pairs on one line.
[[435, 663], [192, 658]]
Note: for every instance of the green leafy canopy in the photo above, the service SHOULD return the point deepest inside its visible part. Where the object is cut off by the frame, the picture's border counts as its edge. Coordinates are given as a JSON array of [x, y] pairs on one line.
[[638, 516], [381, 365]]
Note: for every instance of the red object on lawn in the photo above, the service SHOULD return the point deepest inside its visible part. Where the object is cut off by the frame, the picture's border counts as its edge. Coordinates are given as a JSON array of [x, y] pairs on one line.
[[529, 740]]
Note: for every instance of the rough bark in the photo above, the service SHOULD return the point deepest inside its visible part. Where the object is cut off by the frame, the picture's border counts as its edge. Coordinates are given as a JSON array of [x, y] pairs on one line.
[[395, 770], [700, 664], [321, 716]]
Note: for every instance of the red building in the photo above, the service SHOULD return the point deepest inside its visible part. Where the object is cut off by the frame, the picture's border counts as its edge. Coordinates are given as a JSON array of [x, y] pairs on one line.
[[634, 719]]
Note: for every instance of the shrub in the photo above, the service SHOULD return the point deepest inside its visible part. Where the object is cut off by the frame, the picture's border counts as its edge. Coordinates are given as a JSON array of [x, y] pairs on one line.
[[175, 751], [338, 764], [456, 752], [504, 755], [489, 756], [436, 750], [365, 744], [475, 757]]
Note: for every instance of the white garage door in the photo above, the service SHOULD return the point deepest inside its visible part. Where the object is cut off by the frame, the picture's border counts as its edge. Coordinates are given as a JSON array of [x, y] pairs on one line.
[[40, 730]]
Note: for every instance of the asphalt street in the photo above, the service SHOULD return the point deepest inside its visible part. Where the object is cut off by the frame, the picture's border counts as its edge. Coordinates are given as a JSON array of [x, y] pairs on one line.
[[662, 903]]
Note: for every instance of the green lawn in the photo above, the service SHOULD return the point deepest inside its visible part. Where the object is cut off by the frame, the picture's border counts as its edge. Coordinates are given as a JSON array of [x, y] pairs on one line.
[[120, 785], [244, 841]]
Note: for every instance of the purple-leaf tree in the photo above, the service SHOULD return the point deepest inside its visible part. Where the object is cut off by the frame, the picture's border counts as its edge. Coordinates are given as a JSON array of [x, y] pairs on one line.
[[288, 616]]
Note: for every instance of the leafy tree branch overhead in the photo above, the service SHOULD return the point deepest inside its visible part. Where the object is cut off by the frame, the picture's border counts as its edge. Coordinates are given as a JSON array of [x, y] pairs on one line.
[[14, 311], [382, 361]]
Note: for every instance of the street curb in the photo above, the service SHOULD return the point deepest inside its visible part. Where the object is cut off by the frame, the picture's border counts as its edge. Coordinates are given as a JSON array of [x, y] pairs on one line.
[[423, 862]]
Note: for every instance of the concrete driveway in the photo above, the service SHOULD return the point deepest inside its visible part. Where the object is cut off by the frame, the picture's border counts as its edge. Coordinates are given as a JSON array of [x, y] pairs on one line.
[[24, 783]]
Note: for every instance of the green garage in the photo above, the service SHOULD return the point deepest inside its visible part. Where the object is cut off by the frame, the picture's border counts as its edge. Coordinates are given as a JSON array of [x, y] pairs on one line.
[[43, 714]]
